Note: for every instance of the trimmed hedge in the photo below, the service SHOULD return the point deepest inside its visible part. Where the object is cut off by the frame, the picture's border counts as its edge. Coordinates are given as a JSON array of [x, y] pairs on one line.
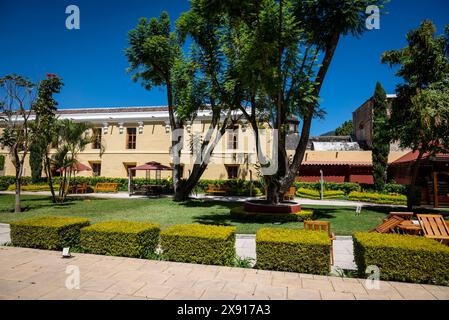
[[378, 198], [203, 244], [51, 233], [121, 238], [239, 213], [293, 250], [316, 195], [33, 187], [402, 258], [346, 187]]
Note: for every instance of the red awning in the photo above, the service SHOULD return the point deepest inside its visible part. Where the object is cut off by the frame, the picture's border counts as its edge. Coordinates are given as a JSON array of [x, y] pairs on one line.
[[153, 165], [336, 179], [413, 155], [76, 167]]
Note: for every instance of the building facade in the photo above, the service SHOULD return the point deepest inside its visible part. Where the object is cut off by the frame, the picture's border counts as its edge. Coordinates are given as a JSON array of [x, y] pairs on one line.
[[132, 136]]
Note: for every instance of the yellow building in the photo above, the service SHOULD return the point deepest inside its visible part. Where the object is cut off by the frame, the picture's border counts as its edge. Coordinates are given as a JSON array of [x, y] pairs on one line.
[[133, 136]]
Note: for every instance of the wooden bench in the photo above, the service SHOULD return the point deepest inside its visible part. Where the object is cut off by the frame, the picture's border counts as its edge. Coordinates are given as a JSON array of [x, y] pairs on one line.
[[322, 226], [214, 189], [403, 215], [290, 194], [106, 187], [434, 227], [389, 225]]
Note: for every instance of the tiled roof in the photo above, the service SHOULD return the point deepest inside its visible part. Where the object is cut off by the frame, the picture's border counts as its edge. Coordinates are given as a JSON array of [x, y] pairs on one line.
[[413, 155]]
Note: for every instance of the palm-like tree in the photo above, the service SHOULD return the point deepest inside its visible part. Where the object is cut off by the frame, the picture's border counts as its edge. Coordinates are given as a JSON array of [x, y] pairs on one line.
[[73, 139]]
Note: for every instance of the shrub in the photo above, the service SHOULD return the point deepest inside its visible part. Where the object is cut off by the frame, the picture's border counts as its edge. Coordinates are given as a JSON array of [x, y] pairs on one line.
[[346, 187], [195, 243], [316, 195], [293, 250], [239, 213], [52, 233], [33, 187], [236, 187], [2, 162], [402, 258], [121, 238], [378, 198]]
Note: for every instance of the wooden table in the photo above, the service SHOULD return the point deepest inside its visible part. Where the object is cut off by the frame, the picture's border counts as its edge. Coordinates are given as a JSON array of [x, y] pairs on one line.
[[408, 227]]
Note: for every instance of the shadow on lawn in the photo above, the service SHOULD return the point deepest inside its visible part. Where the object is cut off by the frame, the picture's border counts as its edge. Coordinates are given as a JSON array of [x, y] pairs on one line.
[[208, 204]]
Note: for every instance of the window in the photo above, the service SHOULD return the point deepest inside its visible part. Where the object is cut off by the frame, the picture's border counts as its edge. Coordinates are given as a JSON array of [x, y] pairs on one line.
[[96, 138], [233, 172], [131, 138], [130, 165], [233, 138], [96, 169]]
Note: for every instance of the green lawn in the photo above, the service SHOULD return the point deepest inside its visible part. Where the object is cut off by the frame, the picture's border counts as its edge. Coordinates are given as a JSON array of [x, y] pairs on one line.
[[167, 213]]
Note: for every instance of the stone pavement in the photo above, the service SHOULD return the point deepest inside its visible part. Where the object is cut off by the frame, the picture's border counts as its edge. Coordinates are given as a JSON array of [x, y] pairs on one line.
[[38, 274], [4, 233]]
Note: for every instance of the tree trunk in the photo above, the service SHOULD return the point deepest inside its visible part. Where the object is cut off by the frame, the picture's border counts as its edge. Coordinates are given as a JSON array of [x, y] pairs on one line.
[[17, 207], [185, 189], [412, 187], [49, 178]]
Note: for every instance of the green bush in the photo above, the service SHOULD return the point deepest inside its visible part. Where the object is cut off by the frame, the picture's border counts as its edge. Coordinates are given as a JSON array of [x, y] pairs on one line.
[[346, 187], [402, 258], [195, 243], [52, 233], [315, 195], [121, 238], [2, 162], [239, 213], [293, 250], [33, 187], [378, 198]]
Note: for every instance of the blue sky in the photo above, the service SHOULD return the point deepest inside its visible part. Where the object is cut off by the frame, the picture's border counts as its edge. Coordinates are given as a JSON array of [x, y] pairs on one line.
[[34, 42]]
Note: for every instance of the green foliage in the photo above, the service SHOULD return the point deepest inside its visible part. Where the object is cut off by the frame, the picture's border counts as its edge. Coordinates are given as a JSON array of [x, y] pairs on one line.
[[316, 195], [239, 213], [32, 187], [2, 162], [378, 198], [293, 250], [381, 138], [402, 258], [420, 113], [51, 232], [121, 238], [346, 187], [195, 243], [346, 129]]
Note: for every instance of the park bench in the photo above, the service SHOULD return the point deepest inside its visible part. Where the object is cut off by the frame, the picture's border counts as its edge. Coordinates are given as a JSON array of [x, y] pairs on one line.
[[389, 225], [290, 194], [215, 189], [106, 187]]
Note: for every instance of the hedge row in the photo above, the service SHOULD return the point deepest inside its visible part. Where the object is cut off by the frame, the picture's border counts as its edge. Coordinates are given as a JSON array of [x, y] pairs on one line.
[[346, 187], [402, 258], [239, 213], [201, 244], [121, 238], [293, 250], [378, 198], [316, 195], [50, 233]]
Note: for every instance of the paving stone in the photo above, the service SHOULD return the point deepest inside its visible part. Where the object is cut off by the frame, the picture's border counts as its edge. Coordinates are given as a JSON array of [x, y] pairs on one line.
[[96, 284], [348, 287], [212, 294], [125, 287], [303, 294], [330, 295], [238, 287], [127, 297], [273, 293], [184, 294], [153, 291], [291, 283], [209, 284], [63, 294], [91, 295], [317, 284]]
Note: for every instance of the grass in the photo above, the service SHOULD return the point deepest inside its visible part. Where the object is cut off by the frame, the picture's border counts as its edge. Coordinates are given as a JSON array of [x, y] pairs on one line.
[[167, 213]]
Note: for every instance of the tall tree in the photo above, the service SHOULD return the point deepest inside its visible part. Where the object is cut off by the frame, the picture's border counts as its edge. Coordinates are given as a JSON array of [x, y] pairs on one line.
[[346, 129], [279, 53], [193, 83], [16, 102], [424, 67], [44, 129], [381, 138]]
